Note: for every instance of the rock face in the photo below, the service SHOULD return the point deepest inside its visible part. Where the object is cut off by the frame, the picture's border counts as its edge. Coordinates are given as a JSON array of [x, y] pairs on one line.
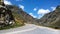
[[6, 17], [21, 15], [51, 19]]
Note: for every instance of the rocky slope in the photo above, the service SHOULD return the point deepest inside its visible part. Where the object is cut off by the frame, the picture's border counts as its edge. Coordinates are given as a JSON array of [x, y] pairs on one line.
[[21, 15], [51, 19]]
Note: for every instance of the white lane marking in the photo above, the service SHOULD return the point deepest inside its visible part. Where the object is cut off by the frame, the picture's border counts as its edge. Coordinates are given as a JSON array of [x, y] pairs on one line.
[[21, 31]]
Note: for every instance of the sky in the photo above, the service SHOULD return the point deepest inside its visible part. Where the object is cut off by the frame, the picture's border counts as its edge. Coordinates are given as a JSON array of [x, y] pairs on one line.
[[35, 8]]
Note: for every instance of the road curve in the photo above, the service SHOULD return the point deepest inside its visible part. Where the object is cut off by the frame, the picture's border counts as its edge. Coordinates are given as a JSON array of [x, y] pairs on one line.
[[30, 29]]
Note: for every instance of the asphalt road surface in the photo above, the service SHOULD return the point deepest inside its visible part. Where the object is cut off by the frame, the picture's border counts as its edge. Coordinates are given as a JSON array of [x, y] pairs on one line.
[[30, 29]]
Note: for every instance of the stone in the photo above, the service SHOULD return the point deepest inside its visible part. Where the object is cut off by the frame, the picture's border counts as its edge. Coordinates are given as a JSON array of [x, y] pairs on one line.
[[6, 17]]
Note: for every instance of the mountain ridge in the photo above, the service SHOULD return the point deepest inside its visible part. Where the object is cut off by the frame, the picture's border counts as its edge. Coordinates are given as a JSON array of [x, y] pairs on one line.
[[24, 15], [51, 19]]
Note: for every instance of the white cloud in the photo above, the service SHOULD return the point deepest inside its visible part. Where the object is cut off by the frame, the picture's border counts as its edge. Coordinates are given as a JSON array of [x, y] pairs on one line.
[[21, 6], [53, 8], [7, 2], [32, 15], [43, 11], [35, 9]]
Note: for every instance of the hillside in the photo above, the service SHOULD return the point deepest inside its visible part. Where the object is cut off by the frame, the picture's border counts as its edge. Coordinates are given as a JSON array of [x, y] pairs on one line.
[[51, 19], [19, 14]]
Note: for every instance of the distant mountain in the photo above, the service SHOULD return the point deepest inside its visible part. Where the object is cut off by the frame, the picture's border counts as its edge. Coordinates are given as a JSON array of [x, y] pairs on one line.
[[51, 19]]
